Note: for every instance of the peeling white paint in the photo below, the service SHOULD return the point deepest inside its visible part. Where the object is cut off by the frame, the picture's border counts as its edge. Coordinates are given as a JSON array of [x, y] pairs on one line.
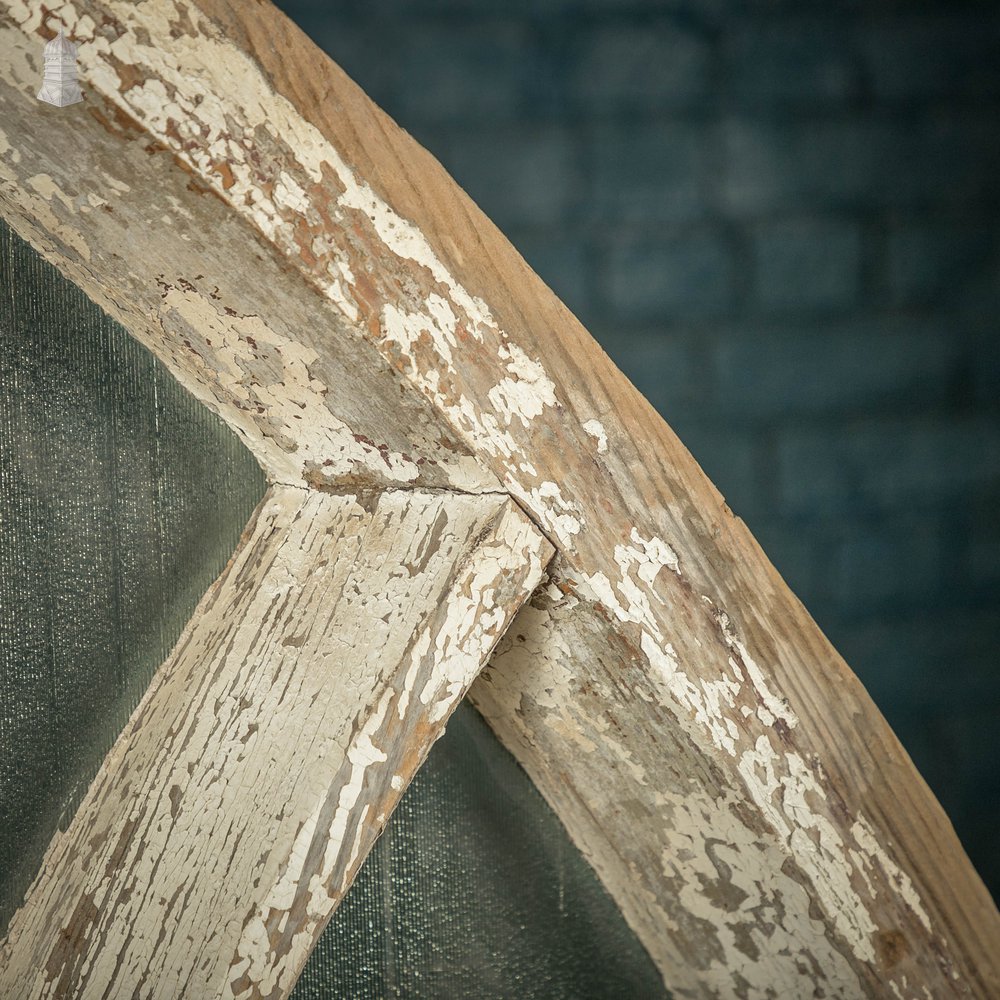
[[255, 765], [771, 707], [873, 853], [399, 235], [473, 618], [558, 515], [48, 189], [293, 409], [435, 326], [724, 713], [596, 430], [791, 799], [525, 391], [198, 103], [717, 870]]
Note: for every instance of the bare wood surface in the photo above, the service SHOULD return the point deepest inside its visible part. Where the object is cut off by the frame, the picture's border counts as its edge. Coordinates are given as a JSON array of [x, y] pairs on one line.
[[236, 807], [724, 771]]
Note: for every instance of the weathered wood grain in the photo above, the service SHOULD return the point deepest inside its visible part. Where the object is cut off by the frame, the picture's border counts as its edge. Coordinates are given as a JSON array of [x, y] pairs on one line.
[[311, 399], [259, 768], [727, 775]]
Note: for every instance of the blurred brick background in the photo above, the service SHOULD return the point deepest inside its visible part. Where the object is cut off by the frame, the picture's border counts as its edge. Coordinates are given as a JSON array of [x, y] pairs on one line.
[[782, 220]]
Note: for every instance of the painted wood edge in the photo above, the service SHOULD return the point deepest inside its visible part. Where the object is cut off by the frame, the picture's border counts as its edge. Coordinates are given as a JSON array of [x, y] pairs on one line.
[[235, 809], [925, 924], [193, 282]]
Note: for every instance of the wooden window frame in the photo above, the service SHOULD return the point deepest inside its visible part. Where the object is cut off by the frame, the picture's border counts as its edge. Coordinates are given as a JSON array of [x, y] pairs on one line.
[[310, 273]]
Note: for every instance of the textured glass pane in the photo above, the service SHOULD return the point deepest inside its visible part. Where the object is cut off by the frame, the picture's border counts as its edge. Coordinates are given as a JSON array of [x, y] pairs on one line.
[[121, 499]]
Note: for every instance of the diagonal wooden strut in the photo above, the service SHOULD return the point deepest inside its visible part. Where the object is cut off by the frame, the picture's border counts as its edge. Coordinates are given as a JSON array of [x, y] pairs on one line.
[[237, 805]]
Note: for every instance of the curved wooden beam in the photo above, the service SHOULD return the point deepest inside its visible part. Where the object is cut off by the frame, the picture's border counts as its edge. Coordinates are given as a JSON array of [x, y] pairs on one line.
[[725, 772]]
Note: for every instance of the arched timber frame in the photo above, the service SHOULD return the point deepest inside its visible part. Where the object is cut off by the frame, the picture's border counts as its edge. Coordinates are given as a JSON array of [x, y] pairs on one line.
[[418, 398]]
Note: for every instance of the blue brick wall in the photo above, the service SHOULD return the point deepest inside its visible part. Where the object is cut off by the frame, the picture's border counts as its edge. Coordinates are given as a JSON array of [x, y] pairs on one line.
[[782, 220]]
